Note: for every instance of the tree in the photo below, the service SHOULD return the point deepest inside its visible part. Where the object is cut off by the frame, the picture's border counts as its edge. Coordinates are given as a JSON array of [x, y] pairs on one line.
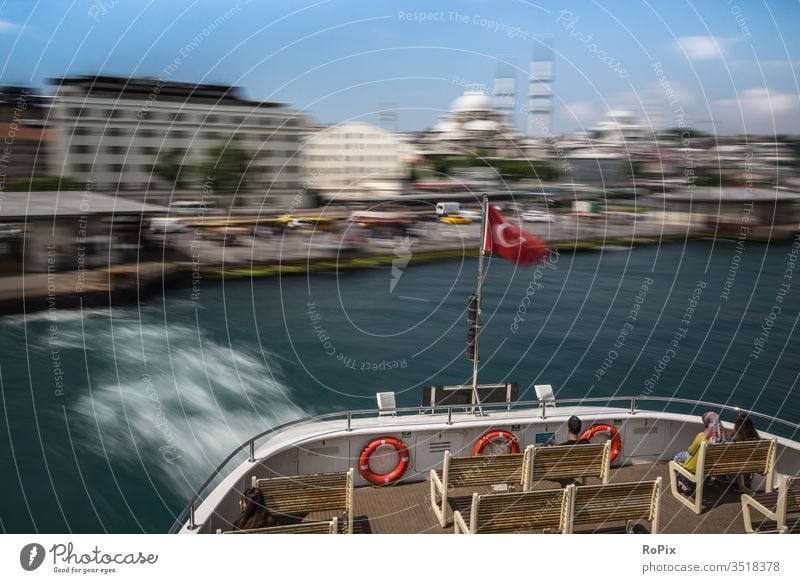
[[170, 170], [226, 167], [43, 183]]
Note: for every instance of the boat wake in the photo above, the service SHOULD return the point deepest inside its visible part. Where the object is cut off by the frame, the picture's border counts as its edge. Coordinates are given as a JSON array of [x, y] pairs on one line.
[[166, 400]]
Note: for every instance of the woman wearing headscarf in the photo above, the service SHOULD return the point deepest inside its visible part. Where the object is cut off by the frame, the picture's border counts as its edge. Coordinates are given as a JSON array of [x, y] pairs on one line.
[[714, 433]]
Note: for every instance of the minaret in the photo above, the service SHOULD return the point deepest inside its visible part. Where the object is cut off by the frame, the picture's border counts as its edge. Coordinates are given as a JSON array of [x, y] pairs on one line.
[[505, 92], [540, 94], [387, 116]]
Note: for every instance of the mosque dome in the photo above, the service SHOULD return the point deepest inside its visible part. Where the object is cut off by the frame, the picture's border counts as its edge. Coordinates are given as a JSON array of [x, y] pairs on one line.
[[480, 125], [472, 101], [445, 126]]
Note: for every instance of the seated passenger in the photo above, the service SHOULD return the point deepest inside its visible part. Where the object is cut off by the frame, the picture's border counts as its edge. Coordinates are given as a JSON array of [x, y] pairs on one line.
[[745, 430], [255, 513], [714, 433], [573, 432]]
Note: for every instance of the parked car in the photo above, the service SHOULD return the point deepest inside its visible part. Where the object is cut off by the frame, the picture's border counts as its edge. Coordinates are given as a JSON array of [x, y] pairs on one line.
[[538, 217], [456, 220], [167, 225], [471, 215]]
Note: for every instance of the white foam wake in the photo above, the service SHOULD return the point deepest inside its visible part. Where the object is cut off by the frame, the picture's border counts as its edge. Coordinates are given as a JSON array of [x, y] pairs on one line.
[[170, 401]]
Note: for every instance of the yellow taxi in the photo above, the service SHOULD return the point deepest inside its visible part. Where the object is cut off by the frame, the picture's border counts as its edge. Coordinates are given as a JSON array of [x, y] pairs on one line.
[[455, 220]]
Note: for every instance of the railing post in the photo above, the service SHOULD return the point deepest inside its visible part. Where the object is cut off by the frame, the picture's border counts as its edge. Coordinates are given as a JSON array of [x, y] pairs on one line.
[[192, 525], [450, 415], [252, 451], [543, 405], [633, 405], [349, 420]]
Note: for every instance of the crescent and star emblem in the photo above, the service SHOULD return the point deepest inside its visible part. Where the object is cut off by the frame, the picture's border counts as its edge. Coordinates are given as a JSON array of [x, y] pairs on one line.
[[501, 238]]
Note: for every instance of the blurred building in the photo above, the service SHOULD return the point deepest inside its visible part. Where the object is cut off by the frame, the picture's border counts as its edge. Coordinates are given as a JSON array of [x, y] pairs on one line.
[[621, 128], [474, 126], [25, 141], [600, 169], [113, 131], [70, 231], [356, 157], [745, 213]]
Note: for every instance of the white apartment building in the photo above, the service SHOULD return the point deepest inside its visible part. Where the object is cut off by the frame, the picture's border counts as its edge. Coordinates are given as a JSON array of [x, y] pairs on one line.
[[356, 157], [111, 131]]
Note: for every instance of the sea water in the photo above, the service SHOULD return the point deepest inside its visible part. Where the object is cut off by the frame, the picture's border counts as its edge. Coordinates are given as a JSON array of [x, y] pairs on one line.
[[111, 418]]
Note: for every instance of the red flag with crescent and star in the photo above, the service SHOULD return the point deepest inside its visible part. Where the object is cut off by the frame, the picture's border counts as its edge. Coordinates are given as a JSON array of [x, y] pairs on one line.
[[505, 239]]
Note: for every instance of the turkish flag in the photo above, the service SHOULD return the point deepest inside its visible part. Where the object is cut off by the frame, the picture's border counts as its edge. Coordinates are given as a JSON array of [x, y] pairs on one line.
[[505, 239]]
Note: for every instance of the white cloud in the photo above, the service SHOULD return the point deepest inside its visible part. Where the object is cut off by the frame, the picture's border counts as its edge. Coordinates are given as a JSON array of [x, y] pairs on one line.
[[700, 48], [759, 110], [8, 27]]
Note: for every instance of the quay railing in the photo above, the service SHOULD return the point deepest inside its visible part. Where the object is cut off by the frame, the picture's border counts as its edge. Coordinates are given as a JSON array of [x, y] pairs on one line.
[[630, 405]]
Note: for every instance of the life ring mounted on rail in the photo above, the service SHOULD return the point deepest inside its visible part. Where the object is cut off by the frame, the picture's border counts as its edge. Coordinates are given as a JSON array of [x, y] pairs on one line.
[[511, 441], [392, 476], [616, 438]]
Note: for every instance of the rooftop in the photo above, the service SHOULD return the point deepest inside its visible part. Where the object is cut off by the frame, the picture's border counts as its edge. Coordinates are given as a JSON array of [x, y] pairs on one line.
[[138, 87], [24, 205]]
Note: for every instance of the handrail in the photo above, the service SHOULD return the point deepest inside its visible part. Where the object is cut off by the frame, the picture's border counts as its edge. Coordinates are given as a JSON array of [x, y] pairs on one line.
[[188, 511]]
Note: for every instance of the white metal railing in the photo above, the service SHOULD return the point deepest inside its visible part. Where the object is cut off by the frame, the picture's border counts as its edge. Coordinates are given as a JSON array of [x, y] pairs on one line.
[[628, 403]]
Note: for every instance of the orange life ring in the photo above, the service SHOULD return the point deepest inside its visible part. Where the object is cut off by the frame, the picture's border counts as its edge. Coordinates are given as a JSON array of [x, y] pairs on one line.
[[616, 438], [396, 473], [513, 442]]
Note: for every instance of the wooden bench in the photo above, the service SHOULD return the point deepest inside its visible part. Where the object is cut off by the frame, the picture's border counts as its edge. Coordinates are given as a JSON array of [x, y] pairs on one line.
[[725, 459], [774, 506], [293, 495], [570, 461], [514, 512], [480, 470], [628, 501], [325, 527]]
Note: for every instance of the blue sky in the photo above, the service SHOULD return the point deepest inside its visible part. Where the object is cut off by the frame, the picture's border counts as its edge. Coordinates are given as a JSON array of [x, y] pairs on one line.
[[734, 62]]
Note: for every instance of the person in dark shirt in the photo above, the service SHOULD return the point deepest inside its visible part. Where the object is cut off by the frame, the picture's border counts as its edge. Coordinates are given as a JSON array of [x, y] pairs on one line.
[[573, 432], [255, 513]]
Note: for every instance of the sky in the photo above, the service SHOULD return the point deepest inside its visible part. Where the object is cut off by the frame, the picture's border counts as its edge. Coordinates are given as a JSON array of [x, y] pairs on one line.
[[727, 65]]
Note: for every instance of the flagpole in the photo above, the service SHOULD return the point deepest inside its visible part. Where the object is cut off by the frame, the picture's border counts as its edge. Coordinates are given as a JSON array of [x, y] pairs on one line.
[[479, 325]]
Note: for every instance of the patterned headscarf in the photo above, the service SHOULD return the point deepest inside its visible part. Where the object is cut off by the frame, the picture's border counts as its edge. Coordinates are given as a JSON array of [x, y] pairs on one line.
[[714, 432]]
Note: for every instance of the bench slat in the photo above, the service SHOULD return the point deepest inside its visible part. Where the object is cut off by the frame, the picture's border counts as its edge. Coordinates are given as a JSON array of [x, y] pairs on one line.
[[738, 457], [310, 493], [327, 527], [616, 502], [569, 461], [483, 470], [305, 493], [520, 511]]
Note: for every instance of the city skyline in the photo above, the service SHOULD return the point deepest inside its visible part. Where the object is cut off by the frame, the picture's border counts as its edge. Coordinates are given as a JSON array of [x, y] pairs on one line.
[[730, 67]]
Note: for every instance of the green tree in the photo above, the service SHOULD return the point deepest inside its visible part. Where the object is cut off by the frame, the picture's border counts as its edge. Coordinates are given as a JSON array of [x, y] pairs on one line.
[[170, 169], [226, 166], [43, 184]]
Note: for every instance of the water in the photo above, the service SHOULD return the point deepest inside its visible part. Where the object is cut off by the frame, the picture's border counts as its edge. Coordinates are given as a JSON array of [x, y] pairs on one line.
[[111, 418]]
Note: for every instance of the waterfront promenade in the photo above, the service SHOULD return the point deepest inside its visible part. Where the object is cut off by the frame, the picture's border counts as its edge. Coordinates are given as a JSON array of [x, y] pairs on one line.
[[192, 257]]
